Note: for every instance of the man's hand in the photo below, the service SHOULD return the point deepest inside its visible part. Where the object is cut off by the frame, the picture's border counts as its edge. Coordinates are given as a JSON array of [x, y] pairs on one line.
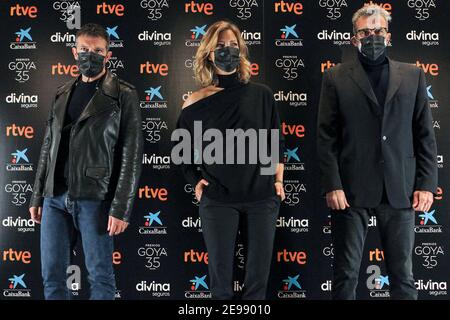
[[199, 188], [336, 200], [116, 226], [280, 190], [36, 214], [422, 200]]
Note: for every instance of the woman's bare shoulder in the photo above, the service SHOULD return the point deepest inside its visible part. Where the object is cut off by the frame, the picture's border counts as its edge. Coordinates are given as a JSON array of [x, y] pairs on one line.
[[199, 95]]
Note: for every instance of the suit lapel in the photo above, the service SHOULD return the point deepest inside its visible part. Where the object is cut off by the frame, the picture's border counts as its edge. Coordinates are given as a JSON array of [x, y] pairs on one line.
[[395, 79], [359, 76]]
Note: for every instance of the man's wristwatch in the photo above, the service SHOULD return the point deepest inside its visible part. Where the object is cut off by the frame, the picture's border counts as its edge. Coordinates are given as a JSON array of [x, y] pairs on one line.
[[279, 181]]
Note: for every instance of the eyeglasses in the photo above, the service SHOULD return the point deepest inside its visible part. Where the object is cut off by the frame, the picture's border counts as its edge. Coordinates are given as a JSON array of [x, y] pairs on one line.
[[367, 32]]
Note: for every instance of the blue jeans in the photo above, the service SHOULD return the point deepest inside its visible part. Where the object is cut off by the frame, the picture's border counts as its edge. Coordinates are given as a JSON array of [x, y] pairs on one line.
[[62, 219]]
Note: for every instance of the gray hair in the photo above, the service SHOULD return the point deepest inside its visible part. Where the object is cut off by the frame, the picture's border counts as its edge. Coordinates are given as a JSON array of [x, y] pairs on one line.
[[370, 10]]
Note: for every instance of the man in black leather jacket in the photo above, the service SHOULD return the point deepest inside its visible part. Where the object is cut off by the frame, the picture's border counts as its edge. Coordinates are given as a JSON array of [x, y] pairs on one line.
[[88, 169]]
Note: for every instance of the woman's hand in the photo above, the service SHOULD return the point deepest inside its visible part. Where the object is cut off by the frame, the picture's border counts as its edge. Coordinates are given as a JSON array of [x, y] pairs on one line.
[[280, 190], [199, 188]]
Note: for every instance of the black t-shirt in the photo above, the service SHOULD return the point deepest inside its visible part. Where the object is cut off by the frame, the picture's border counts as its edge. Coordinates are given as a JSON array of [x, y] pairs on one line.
[[81, 94], [238, 106]]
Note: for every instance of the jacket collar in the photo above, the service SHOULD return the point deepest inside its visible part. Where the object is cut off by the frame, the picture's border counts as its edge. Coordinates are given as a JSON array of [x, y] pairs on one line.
[[104, 98]]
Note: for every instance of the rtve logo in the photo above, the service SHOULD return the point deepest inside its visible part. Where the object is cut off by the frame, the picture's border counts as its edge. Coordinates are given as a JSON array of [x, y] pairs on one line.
[[153, 193], [386, 5], [28, 11], [298, 257], [154, 68], [116, 258], [293, 129], [254, 69], [111, 9], [430, 68], [376, 255], [193, 256], [60, 69], [14, 130], [288, 7], [206, 8], [12, 255], [326, 65]]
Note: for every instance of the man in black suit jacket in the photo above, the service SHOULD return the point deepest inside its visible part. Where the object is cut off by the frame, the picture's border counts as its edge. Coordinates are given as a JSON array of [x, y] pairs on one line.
[[377, 153]]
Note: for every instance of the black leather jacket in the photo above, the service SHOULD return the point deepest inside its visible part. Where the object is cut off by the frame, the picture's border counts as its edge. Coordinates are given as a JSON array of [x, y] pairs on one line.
[[105, 157]]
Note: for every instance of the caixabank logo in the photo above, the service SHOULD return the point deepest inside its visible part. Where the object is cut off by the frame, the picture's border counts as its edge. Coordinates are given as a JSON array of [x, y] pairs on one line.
[[288, 36], [433, 100], [428, 223], [17, 287], [198, 288], [19, 161], [293, 159], [291, 288], [153, 224], [115, 41], [23, 40], [195, 35], [154, 98], [377, 283]]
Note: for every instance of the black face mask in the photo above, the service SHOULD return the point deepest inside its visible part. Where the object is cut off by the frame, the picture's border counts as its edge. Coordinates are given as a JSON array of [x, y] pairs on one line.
[[226, 58], [372, 46], [90, 64]]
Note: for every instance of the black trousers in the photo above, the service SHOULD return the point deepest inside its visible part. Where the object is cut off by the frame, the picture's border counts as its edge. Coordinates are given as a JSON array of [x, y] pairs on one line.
[[220, 222], [349, 230]]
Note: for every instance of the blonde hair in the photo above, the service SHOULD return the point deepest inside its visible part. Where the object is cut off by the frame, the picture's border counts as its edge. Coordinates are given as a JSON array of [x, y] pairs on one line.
[[204, 68]]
